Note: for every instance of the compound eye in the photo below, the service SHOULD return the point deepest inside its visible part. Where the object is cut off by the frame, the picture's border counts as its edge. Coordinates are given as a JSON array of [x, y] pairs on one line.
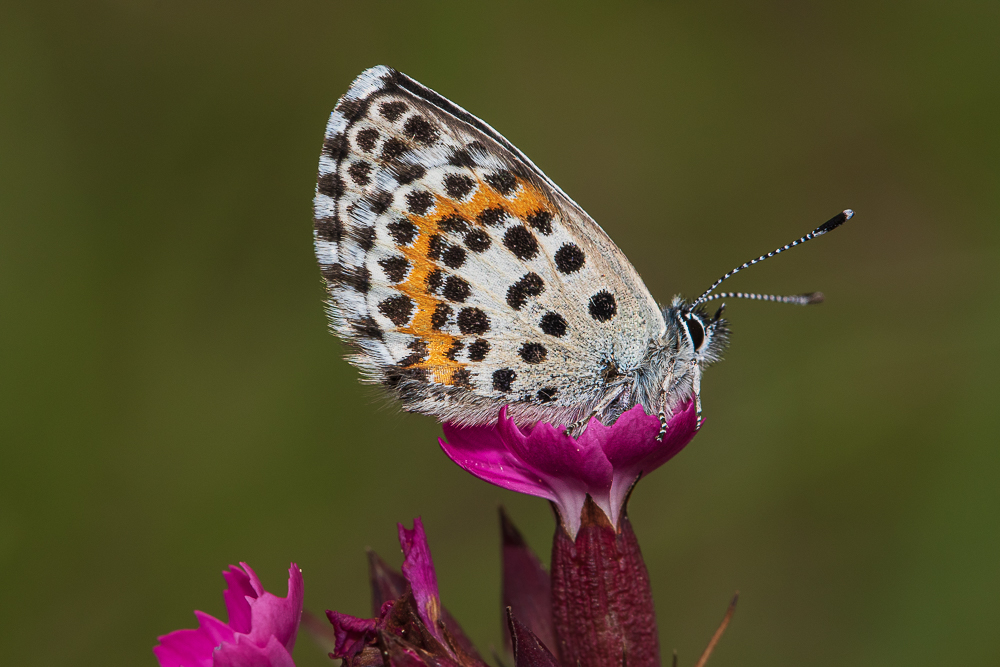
[[697, 333]]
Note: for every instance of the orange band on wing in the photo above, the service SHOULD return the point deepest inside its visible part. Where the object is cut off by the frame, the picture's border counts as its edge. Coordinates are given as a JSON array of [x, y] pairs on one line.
[[447, 371]]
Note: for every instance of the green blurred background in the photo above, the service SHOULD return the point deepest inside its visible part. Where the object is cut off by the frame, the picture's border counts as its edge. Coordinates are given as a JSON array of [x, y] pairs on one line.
[[171, 401]]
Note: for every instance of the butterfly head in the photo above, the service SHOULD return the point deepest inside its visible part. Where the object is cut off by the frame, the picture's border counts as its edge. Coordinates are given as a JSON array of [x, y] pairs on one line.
[[701, 336]]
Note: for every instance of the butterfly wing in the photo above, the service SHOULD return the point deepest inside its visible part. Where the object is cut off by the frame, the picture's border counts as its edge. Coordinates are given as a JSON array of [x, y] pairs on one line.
[[461, 276]]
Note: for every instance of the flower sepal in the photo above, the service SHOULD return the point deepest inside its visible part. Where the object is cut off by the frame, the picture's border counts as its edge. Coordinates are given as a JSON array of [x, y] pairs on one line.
[[412, 628]]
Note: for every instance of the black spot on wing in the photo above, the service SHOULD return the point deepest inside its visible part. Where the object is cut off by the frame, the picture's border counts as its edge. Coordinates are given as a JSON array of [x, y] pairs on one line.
[[397, 308], [418, 201], [541, 221], [521, 242], [379, 201], [331, 185], [603, 306], [569, 258], [393, 148], [351, 109], [478, 349], [335, 146], [528, 285], [533, 353], [407, 173], [453, 224], [546, 394], [329, 228], [477, 241], [418, 129], [473, 321], [453, 256], [492, 217], [391, 111], [402, 232], [456, 289], [395, 267], [502, 181], [435, 246], [366, 139], [553, 324], [358, 278], [458, 186], [434, 281], [503, 378], [360, 172]]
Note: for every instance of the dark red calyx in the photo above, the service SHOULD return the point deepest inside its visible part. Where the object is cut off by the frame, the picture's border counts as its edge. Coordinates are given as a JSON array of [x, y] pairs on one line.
[[602, 604], [528, 650], [527, 590]]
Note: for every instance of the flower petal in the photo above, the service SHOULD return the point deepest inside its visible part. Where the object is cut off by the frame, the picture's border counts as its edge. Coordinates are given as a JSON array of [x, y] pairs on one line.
[[351, 633], [193, 648], [481, 451], [634, 450], [238, 589], [244, 653], [557, 455], [273, 615]]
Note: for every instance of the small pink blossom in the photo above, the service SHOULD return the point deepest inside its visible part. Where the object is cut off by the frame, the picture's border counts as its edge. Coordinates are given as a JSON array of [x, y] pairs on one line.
[[260, 633]]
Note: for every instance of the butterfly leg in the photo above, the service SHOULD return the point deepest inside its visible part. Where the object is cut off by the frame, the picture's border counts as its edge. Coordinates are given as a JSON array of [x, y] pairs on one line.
[[696, 385], [576, 427], [664, 390]]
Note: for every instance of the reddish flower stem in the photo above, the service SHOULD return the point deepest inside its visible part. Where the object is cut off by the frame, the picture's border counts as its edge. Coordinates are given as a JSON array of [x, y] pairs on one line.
[[602, 604]]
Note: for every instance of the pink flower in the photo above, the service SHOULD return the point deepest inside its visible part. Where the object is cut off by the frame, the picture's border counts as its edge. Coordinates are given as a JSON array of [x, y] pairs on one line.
[[542, 460], [260, 633]]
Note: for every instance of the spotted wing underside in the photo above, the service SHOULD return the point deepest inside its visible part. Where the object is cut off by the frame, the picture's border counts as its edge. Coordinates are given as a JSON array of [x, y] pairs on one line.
[[462, 278]]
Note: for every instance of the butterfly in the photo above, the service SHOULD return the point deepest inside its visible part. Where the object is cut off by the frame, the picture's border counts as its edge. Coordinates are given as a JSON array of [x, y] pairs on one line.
[[464, 280]]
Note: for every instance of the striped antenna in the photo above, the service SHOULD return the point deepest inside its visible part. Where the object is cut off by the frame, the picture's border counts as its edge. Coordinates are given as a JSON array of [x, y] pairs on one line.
[[804, 299], [797, 299]]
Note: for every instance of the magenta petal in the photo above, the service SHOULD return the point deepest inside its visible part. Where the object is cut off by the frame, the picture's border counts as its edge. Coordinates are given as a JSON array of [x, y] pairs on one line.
[[236, 593], [184, 647], [634, 449], [244, 653], [276, 616], [481, 451], [351, 633], [193, 648], [418, 568], [544, 461], [259, 621], [557, 455]]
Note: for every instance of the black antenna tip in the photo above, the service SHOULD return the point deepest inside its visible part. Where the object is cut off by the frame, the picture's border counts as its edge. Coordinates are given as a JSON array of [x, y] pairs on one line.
[[834, 222], [813, 297]]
